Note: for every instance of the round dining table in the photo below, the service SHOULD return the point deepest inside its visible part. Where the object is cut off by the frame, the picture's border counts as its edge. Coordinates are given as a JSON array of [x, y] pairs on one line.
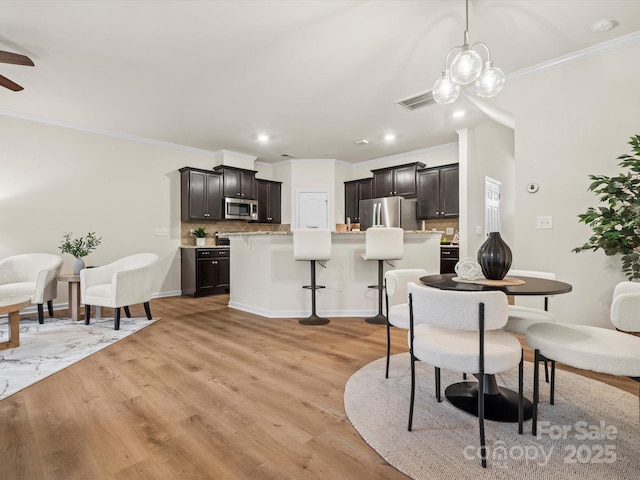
[[500, 403]]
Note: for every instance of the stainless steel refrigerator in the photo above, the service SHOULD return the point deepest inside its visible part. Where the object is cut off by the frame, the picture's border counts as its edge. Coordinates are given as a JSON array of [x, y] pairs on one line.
[[388, 212]]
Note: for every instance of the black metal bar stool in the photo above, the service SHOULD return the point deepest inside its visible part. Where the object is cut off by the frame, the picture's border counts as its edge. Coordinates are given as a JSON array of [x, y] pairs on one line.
[[314, 245], [382, 244]]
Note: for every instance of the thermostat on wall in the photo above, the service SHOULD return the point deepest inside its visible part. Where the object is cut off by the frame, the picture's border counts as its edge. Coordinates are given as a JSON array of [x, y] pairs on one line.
[[532, 188]]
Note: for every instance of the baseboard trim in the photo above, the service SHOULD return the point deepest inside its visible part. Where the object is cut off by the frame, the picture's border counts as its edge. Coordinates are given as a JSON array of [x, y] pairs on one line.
[[300, 313], [33, 309]]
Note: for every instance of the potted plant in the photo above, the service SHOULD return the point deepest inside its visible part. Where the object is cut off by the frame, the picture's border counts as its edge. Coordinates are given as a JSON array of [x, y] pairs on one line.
[[200, 234], [616, 225], [79, 247]]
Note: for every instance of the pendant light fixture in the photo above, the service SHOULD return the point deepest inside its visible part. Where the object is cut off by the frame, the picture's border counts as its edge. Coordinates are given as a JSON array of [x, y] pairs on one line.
[[465, 68]]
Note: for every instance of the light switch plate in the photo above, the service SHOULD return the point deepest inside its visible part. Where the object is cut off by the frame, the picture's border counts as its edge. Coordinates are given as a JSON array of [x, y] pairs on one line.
[[544, 222], [449, 230], [160, 232]]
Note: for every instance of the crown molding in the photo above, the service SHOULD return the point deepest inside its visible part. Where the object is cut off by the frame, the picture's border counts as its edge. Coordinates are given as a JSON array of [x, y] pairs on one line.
[[411, 153], [577, 56], [107, 133]]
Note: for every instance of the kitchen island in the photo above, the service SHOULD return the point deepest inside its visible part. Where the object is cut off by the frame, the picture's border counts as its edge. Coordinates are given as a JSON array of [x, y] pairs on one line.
[[266, 280]]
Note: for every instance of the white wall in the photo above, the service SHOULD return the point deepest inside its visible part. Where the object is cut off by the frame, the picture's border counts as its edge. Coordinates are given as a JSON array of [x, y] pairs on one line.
[[317, 175], [487, 151], [55, 180], [343, 173], [571, 122], [431, 157]]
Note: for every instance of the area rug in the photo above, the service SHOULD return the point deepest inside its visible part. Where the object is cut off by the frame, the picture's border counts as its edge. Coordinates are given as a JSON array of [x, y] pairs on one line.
[[58, 343], [592, 431]]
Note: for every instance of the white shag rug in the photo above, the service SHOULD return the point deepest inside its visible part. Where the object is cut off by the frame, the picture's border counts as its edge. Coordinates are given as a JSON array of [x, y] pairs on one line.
[[48, 348], [592, 431]]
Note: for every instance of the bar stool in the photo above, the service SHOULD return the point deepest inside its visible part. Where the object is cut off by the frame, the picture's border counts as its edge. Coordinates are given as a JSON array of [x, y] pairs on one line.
[[382, 243], [312, 244]]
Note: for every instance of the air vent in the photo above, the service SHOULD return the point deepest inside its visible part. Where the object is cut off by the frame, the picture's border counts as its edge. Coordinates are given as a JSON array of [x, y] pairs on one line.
[[417, 101]]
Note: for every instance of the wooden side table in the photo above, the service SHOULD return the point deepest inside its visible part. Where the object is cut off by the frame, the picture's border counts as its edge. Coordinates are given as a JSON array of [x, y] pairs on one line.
[[74, 294], [12, 306]]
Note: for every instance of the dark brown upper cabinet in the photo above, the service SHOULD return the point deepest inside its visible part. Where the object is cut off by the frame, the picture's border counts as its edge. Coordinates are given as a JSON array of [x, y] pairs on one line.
[[237, 182], [438, 192], [200, 194], [354, 191], [269, 201], [399, 180]]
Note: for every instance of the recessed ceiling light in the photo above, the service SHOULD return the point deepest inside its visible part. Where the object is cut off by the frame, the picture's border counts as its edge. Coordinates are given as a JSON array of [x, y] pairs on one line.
[[459, 113], [263, 138], [362, 141], [390, 137], [603, 25]]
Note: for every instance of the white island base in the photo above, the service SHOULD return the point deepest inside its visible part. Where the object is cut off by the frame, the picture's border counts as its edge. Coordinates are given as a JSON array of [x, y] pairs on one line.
[[267, 281]]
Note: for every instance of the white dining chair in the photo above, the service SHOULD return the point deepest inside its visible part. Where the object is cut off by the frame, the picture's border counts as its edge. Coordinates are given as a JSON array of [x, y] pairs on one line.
[[462, 331], [397, 300]]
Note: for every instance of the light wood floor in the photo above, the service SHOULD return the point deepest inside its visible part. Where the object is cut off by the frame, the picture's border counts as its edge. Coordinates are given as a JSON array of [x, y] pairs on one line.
[[207, 392]]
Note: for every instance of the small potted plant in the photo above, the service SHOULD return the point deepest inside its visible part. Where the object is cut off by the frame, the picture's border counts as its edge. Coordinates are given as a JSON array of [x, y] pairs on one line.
[[200, 234], [79, 247]]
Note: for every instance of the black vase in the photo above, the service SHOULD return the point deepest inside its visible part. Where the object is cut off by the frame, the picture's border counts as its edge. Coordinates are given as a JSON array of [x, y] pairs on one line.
[[494, 257]]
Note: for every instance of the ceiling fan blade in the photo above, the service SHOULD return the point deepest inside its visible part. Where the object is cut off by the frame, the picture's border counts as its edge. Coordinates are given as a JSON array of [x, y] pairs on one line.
[[6, 83], [15, 59]]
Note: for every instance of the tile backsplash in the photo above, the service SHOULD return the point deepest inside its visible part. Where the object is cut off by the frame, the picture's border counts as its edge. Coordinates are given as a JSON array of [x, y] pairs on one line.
[[226, 226], [239, 226], [442, 225]]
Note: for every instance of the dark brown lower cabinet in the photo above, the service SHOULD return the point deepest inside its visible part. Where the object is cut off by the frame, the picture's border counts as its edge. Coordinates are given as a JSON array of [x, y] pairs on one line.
[[205, 271], [449, 256]]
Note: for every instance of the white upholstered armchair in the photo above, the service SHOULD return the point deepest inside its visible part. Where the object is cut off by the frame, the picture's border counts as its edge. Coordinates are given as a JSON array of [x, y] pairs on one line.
[[125, 282], [34, 275]]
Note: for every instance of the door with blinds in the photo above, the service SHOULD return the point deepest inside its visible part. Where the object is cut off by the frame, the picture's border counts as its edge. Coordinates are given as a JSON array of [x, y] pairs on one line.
[[492, 199]]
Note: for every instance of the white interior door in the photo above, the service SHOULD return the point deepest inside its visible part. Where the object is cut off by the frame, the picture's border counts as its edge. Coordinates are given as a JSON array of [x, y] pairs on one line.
[[313, 209], [492, 199]]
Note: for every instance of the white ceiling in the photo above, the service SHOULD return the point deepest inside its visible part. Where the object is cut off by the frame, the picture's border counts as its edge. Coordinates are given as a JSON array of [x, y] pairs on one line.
[[314, 75]]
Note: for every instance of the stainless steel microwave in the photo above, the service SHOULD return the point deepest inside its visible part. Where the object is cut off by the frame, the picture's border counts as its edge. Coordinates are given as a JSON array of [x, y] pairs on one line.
[[240, 209]]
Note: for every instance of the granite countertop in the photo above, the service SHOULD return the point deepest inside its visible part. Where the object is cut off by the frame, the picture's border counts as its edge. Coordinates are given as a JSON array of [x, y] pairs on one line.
[[234, 234], [206, 246]]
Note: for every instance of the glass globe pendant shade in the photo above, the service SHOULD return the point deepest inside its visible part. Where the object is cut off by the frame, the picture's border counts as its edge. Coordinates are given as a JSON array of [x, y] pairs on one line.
[[490, 82], [466, 66], [444, 90]]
